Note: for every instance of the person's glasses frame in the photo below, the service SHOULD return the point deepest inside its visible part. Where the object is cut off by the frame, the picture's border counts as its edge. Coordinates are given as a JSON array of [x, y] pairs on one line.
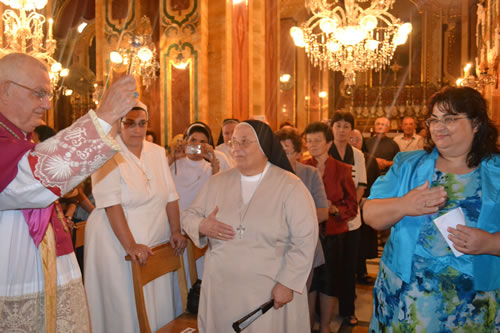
[[40, 94], [132, 124], [243, 143], [446, 120]]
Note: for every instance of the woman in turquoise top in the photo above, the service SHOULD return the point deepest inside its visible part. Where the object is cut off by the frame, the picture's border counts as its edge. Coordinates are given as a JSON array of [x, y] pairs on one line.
[[422, 285]]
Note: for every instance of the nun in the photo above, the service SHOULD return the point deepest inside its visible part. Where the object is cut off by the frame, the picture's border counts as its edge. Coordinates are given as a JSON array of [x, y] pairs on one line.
[[260, 223]]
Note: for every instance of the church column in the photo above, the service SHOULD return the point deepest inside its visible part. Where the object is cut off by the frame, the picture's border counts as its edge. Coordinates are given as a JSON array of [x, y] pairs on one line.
[[219, 69], [240, 59], [272, 58], [183, 62]]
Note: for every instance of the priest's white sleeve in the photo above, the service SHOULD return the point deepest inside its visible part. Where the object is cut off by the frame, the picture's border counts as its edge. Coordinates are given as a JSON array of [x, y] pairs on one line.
[[59, 163], [66, 159]]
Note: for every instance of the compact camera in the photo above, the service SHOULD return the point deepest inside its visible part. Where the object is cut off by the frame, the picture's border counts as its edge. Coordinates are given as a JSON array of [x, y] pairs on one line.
[[193, 149]]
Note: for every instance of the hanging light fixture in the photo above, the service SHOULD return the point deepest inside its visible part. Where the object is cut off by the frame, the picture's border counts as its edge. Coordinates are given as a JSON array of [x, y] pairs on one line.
[[353, 38], [140, 56], [23, 33]]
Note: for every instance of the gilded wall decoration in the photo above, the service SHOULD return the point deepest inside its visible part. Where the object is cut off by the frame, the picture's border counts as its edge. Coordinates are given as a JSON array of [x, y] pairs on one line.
[[180, 50], [119, 24]]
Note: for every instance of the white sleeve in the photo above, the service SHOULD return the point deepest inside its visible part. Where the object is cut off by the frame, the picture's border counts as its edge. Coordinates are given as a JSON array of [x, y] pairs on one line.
[[172, 191], [106, 127], [25, 192], [359, 162], [106, 184], [224, 162]]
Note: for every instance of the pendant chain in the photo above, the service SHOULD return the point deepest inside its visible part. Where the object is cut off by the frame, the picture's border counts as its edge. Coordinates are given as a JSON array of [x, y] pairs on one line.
[[9, 130], [241, 228]]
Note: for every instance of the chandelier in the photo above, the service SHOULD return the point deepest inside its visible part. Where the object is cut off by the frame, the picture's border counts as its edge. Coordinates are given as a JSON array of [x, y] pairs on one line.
[[471, 81], [139, 58], [24, 33], [358, 37]]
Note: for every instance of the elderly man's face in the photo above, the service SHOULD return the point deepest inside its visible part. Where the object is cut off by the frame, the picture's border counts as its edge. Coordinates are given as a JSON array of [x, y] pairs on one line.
[[25, 108], [408, 126], [247, 155], [356, 139], [381, 125], [227, 131]]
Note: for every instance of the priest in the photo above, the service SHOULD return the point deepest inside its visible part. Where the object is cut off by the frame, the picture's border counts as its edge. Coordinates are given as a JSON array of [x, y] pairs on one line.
[[260, 223], [40, 282]]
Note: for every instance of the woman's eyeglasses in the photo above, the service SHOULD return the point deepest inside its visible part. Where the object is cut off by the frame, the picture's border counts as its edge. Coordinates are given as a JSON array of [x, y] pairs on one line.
[[446, 120], [133, 124]]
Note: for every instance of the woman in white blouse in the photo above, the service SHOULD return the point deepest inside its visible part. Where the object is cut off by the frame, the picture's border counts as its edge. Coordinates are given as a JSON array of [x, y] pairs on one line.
[[136, 208]]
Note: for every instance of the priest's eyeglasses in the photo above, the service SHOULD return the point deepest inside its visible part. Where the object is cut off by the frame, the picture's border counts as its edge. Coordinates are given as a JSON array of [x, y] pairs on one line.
[[243, 143], [40, 94], [133, 124], [446, 120]]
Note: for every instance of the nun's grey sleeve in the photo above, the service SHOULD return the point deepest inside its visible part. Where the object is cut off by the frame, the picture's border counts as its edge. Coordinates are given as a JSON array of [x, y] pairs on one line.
[[192, 216], [318, 190]]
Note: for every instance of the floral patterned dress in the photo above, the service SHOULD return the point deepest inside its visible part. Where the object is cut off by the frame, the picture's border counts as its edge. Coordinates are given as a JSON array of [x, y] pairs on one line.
[[440, 296]]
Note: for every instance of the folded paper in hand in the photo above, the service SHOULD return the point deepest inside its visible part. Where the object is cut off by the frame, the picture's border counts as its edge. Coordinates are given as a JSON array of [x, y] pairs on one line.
[[451, 219]]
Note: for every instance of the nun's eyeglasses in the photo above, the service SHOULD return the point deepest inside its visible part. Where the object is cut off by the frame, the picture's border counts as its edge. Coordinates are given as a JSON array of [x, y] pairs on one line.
[[133, 124], [243, 143]]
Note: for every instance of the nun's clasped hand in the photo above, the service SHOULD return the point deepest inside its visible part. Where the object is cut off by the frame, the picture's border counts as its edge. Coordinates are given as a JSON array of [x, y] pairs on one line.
[[424, 200], [215, 229]]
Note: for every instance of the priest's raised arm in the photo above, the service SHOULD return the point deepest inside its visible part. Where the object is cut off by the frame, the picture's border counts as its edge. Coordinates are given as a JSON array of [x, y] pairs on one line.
[[40, 280]]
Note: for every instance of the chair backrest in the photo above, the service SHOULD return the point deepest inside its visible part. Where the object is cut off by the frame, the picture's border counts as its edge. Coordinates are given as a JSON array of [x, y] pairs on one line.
[[162, 261], [193, 254], [79, 234]]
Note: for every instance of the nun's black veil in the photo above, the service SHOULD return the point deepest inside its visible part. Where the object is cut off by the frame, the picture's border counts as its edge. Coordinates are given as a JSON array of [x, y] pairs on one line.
[[270, 144]]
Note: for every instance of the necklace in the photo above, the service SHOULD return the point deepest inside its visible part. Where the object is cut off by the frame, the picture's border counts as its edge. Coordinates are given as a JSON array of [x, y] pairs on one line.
[[241, 228], [9, 130]]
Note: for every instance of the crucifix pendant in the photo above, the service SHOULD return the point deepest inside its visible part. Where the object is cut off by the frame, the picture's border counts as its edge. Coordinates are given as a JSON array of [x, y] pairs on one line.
[[241, 230]]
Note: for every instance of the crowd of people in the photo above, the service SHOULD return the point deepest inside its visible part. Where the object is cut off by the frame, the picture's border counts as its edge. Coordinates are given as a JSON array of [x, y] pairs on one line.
[[288, 217]]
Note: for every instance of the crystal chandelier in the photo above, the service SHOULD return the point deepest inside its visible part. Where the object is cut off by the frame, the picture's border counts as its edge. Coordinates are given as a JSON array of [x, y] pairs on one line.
[[140, 57], [24, 33], [353, 38]]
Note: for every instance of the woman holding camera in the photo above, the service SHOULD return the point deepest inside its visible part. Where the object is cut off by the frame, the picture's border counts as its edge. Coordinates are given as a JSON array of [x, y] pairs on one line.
[[192, 162]]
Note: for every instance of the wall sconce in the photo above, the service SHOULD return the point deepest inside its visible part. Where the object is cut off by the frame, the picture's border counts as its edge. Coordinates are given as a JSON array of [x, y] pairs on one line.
[[286, 82], [471, 81], [180, 62]]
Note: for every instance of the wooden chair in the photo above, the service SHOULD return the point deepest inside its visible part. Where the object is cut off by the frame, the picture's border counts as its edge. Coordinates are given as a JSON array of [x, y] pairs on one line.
[[79, 234], [193, 254], [162, 262]]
